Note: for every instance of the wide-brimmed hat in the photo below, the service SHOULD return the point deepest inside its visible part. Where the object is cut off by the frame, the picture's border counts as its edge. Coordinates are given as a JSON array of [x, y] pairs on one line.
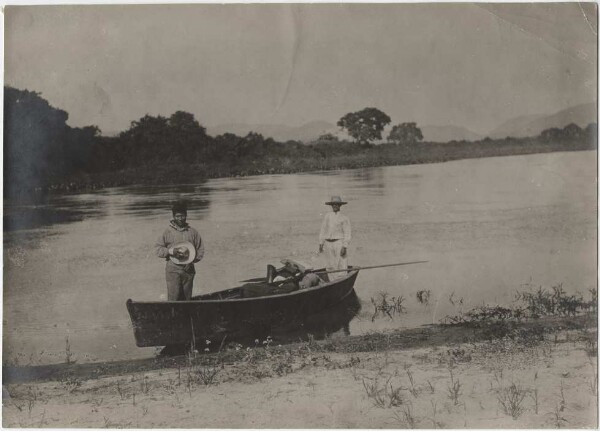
[[189, 252], [336, 200]]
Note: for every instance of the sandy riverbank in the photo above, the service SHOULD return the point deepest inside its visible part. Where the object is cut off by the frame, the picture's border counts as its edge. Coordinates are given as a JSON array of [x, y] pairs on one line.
[[539, 374]]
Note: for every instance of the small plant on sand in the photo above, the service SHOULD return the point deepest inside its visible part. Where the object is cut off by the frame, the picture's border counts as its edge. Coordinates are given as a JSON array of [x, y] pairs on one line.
[[534, 396], [202, 370], [511, 399], [406, 417], [386, 396], [283, 364], [454, 389], [71, 384], [375, 392], [207, 375], [434, 421], [413, 389], [144, 386], [42, 420], [563, 402], [109, 424], [68, 353], [558, 418], [594, 382], [411, 421], [31, 397], [96, 403], [395, 396], [593, 303], [590, 341], [120, 390], [555, 301], [458, 355]]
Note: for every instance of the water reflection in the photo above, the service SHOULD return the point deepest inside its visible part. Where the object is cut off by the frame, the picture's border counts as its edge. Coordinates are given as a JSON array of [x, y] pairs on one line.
[[151, 200], [173, 190], [21, 218], [334, 320], [163, 205], [367, 177], [137, 201]]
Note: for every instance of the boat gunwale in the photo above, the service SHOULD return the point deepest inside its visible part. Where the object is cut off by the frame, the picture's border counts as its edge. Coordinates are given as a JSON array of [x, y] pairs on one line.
[[257, 298]]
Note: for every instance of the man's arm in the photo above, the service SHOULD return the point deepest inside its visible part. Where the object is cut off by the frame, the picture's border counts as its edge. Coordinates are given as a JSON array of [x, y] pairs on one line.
[[161, 248], [199, 244], [347, 232], [322, 233]]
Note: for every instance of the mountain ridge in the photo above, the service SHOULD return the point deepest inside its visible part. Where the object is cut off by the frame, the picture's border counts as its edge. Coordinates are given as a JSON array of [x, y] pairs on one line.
[[517, 127], [533, 125]]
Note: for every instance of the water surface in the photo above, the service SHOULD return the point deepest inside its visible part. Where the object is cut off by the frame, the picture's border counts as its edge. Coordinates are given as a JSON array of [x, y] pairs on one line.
[[488, 227]]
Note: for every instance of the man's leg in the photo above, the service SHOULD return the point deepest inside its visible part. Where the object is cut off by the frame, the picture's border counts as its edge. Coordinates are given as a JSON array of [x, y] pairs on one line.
[[343, 261], [330, 256], [173, 285], [187, 284], [339, 261]]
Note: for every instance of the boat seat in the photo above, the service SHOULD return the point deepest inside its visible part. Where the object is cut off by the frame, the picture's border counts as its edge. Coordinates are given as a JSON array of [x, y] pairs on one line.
[[252, 290]]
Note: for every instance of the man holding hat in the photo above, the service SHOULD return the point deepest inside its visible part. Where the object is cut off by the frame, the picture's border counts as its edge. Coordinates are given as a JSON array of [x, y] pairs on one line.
[[335, 236], [181, 246]]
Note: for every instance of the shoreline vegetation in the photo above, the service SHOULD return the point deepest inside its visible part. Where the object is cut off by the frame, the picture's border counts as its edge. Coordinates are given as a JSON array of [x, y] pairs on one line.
[[43, 155], [375, 156], [433, 336], [530, 366]]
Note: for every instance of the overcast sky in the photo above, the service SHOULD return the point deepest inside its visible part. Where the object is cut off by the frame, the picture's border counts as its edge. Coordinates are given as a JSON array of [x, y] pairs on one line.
[[437, 64]]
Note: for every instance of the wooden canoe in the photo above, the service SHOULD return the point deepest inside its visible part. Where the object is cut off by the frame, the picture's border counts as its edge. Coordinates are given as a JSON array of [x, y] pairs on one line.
[[225, 313]]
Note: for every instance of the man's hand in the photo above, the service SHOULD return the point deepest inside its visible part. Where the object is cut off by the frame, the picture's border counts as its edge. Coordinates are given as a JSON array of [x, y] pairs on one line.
[[320, 248], [175, 252], [343, 252]]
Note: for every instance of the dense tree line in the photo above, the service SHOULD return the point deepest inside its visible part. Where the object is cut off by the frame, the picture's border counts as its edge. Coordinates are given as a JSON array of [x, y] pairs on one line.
[[39, 146], [41, 151]]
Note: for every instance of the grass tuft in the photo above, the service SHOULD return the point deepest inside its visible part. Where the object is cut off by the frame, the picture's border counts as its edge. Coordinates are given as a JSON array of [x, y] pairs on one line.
[[511, 399]]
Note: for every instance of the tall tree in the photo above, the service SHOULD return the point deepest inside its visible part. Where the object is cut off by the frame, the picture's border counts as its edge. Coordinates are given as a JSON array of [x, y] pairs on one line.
[[185, 122], [406, 133], [39, 147], [328, 137], [365, 125], [160, 140], [569, 132]]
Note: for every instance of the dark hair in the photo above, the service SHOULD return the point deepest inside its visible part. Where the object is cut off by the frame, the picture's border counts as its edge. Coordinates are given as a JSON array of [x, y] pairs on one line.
[[179, 207]]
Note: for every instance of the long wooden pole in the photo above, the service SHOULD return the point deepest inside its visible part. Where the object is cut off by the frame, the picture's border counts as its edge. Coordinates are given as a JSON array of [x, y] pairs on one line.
[[357, 268], [354, 268]]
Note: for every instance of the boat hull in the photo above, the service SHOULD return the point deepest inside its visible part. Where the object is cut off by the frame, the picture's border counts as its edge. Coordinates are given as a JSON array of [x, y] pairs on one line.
[[181, 322]]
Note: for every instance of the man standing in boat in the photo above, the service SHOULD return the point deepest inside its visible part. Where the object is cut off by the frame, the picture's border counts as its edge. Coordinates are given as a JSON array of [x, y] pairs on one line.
[[335, 236], [181, 246]]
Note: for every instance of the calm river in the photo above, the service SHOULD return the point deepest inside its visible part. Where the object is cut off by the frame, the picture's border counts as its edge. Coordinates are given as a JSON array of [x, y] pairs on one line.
[[488, 227]]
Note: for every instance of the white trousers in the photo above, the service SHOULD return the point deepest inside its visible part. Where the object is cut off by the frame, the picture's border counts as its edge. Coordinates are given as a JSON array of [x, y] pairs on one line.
[[332, 251]]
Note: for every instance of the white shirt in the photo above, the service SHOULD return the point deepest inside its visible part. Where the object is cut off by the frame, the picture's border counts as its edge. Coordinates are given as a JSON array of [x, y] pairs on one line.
[[335, 226]]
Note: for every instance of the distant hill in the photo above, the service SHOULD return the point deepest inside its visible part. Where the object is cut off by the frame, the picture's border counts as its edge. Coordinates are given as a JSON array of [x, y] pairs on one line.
[[533, 125], [523, 126], [448, 133], [305, 133]]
